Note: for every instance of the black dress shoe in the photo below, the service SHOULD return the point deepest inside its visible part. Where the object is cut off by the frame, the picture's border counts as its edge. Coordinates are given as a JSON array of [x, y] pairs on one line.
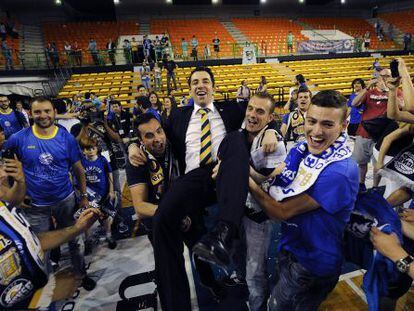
[[88, 283], [111, 243], [215, 246], [207, 279]]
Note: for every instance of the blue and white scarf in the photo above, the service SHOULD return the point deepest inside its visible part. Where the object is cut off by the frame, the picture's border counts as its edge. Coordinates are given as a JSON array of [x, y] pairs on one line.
[[303, 168]]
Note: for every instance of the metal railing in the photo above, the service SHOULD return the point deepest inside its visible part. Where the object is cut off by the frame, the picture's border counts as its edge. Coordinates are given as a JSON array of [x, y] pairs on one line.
[[121, 56]]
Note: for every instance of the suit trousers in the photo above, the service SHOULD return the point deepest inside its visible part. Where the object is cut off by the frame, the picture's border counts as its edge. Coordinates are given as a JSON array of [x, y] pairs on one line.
[[189, 195]]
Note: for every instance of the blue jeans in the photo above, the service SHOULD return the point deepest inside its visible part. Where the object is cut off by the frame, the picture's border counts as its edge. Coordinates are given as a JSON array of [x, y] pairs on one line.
[[39, 218], [297, 288], [146, 82], [257, 243]]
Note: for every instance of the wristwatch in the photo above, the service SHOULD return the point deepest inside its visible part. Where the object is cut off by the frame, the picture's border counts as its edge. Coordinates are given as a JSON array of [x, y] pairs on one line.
[[403, 264], [83, 195]]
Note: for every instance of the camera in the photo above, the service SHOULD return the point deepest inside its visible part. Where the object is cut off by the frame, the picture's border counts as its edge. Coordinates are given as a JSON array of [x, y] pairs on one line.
[[90, 114], [394, 68]]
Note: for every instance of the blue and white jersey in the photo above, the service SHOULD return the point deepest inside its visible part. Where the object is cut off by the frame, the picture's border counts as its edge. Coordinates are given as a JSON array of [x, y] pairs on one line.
[[22, 262]]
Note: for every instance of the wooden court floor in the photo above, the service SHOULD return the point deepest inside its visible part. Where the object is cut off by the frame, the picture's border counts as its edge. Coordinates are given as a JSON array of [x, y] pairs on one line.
[[348, 295]]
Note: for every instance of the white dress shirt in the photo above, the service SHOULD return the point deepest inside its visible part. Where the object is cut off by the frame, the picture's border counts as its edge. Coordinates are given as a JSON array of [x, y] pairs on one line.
[[193, 136]]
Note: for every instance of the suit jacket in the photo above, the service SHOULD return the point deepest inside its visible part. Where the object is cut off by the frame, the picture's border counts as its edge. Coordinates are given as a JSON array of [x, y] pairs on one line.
[[232, 115]]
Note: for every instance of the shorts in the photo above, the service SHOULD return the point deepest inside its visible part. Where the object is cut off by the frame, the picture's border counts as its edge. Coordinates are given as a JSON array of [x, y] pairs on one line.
[[216, 48], [363, 150], [352, 128]]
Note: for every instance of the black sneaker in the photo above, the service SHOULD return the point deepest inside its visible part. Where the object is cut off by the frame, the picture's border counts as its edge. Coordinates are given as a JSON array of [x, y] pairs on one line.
[[111, 243], [88, 283], [233, 280]]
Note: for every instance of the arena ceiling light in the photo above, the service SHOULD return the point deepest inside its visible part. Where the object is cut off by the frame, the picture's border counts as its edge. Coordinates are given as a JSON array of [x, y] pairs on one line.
[[169, 1], [343, 1], [262, 1], [301, 1], [116, 1], [214, 1], [58, 2]]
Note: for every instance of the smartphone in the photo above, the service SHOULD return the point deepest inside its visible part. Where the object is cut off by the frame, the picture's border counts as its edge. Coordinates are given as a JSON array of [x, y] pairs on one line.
[[394, 68], [7, 154]]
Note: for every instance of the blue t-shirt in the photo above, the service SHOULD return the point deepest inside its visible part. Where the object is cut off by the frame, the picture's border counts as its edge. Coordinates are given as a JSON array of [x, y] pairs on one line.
[[46, 163], [97, 102], [315, 237], [10, 123], [96, 173], [285, 118], [184, 45], [356, 111]]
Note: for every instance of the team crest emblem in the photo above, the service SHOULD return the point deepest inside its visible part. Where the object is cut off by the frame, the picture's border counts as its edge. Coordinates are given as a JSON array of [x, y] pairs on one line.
[[405, 164], [45, 158], [16, 292]]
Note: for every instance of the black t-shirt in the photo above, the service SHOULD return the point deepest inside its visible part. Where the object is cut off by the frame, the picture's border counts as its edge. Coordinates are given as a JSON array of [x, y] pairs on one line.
[[170, 66], [149, 174]]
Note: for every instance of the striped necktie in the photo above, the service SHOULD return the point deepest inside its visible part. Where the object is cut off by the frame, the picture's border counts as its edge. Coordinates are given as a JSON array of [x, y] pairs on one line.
[[205, 148]]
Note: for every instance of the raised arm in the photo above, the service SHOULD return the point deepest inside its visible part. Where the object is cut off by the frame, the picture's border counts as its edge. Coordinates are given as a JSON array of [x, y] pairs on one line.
[[407, 85], [393, 111]]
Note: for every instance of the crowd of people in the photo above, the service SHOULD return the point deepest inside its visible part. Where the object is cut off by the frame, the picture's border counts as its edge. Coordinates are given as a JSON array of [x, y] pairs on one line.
[[134, 52], [62, 161]]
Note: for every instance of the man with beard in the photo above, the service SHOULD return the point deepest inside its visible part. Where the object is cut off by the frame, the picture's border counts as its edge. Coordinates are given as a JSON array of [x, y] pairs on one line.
[[11, 120], [149, 182], [293, 123], [314, 196], [48, 153]]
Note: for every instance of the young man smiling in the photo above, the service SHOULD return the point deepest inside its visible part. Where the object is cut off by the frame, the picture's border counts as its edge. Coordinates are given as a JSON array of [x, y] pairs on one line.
[[293, 122], [256, 224], [315, 205]]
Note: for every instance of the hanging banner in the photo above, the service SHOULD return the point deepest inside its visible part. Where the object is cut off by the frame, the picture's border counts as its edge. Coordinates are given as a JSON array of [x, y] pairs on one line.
[[335, 46], [249, 55]]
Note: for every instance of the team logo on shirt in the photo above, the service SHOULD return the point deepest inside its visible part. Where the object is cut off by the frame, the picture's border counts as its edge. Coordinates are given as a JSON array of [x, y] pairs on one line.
[[45, 158], [10, 267], [7, 123], [17, 291], [4, 243], [405, 163]]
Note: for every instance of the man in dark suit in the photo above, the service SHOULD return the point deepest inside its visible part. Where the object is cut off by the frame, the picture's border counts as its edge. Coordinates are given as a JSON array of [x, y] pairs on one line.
[[201, 135]]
